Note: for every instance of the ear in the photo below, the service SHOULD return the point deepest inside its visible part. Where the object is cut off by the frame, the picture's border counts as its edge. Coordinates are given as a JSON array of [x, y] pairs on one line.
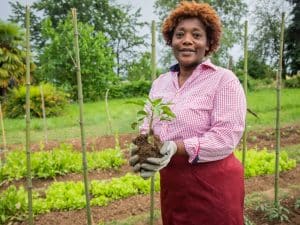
[[207, 48]]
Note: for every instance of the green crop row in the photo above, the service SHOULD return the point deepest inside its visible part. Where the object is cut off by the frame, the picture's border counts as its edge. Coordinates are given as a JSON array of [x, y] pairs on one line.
[[263, 162], [59, 161], [70, 195]]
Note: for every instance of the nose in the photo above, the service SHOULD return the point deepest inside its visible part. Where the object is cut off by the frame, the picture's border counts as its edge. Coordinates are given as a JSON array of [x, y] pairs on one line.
[[187, 39]]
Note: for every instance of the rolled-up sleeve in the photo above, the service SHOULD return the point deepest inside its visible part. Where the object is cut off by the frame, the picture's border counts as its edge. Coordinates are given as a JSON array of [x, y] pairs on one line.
[[227, 126]]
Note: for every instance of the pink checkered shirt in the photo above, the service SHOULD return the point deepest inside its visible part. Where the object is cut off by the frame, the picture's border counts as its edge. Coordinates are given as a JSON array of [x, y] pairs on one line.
[[210, 109]]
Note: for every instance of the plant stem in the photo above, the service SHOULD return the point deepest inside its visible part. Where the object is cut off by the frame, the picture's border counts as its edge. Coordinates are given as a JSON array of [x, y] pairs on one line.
[[80, 100], [28, 151], [276, 202], [44, 114], [245, 83]]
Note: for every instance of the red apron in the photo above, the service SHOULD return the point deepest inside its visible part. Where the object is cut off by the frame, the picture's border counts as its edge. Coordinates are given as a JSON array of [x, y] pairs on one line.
[[202, 194]]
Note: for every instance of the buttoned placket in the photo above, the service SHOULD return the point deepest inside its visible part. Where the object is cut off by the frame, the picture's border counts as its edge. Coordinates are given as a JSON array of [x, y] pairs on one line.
[[178, 90]]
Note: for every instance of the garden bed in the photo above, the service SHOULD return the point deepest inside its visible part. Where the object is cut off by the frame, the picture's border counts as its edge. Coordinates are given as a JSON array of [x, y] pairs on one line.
[[137, 206]]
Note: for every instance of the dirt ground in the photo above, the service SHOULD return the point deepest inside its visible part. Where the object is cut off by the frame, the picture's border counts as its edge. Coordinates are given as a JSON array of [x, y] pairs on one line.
[[137, 205]]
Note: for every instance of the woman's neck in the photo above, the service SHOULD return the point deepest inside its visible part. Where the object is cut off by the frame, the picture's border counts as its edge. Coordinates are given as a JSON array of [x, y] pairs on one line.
[[184, 74]]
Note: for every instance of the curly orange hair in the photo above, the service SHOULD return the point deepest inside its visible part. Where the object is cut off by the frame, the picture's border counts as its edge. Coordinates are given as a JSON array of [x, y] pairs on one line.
[[204, 12]]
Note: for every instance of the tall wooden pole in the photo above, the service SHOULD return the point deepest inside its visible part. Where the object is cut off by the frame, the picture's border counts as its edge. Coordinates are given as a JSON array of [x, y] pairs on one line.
[[153, 69], [107, 113], [28, 151], [245, 84], [230, 63], [80, 101], [44, 114], [278, 78], [153, 51], [3, 136]]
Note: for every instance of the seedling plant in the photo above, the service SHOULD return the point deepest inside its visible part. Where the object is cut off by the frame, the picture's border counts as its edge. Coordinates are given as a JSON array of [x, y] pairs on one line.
[[149, 144]]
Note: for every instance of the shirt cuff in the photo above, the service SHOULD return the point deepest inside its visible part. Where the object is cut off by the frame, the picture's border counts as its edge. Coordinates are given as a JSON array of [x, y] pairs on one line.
[[192, 148]]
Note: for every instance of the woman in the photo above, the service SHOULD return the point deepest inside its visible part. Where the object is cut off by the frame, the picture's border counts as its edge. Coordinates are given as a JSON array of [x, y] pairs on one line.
[[201, 180]]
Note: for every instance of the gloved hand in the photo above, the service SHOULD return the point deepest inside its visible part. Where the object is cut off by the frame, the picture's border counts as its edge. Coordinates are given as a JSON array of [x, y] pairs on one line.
[[168, 149], [136, 166], [134, 158]]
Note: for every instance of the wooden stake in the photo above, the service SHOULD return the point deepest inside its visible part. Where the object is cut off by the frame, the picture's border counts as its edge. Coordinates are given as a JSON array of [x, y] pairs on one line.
[[28, 151], [44, 114], [153, 69], [80, 101], [245, 89], [3, 136], [107, 112], [153, 52], [278, 78]]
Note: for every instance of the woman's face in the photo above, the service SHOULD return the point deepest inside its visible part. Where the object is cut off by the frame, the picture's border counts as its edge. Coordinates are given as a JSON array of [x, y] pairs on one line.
[[189, 42]]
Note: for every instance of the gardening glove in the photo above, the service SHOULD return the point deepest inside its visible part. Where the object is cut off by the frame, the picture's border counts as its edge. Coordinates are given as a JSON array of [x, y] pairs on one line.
[[134, 158], [168, 149], [147, 173]]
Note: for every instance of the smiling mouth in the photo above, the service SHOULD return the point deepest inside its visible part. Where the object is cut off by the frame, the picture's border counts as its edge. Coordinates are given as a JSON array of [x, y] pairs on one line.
[[185, 50]]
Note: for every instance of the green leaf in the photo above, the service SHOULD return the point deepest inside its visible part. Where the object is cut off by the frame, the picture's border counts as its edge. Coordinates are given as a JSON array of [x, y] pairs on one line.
[[142, 112], [166, 110], [134, 125], [156, 102], [136, 102], [140, 118]]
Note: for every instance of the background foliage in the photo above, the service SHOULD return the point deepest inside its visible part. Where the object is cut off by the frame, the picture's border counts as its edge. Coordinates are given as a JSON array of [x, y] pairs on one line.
[[55, 101], [57, 65]]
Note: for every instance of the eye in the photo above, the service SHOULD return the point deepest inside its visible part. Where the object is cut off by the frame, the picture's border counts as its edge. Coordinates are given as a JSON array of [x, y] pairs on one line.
[[179, 34], [197, 35]]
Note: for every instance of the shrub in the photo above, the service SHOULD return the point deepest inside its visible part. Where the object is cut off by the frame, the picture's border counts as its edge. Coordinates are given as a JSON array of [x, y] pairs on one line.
[[128, 89], [255, 84], [293, 82], [55, 101]]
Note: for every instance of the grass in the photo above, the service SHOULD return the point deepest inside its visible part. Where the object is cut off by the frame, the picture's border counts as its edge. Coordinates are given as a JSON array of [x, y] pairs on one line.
[[262, 102], [132, 220], [293, 152]]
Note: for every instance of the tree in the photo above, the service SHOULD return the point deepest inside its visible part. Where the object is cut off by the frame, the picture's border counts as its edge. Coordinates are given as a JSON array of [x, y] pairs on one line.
[[12, 56], [124, 38], [57, 59], [230, 13], [257, 68], [293, 40], [140, 69], [265, 40], [18, 15], [116, 22]]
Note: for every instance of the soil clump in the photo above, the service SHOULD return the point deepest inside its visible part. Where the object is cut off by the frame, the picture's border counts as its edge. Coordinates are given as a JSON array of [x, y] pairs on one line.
[[148, 146]]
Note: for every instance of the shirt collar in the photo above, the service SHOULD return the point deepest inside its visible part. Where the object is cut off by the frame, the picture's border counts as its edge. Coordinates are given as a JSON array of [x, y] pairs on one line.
[[206, 63]]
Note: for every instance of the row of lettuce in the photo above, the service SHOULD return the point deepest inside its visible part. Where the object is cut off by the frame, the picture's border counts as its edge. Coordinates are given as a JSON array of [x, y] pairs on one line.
[[70, 195], [64, 160]]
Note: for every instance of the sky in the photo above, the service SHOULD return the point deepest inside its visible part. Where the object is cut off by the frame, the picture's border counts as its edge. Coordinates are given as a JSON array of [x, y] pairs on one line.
[[147, 12]]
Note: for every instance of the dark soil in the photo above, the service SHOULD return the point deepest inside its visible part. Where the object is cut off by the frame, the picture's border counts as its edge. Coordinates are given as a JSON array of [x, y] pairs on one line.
[[137, 205], [145, 148], [132, 206]]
